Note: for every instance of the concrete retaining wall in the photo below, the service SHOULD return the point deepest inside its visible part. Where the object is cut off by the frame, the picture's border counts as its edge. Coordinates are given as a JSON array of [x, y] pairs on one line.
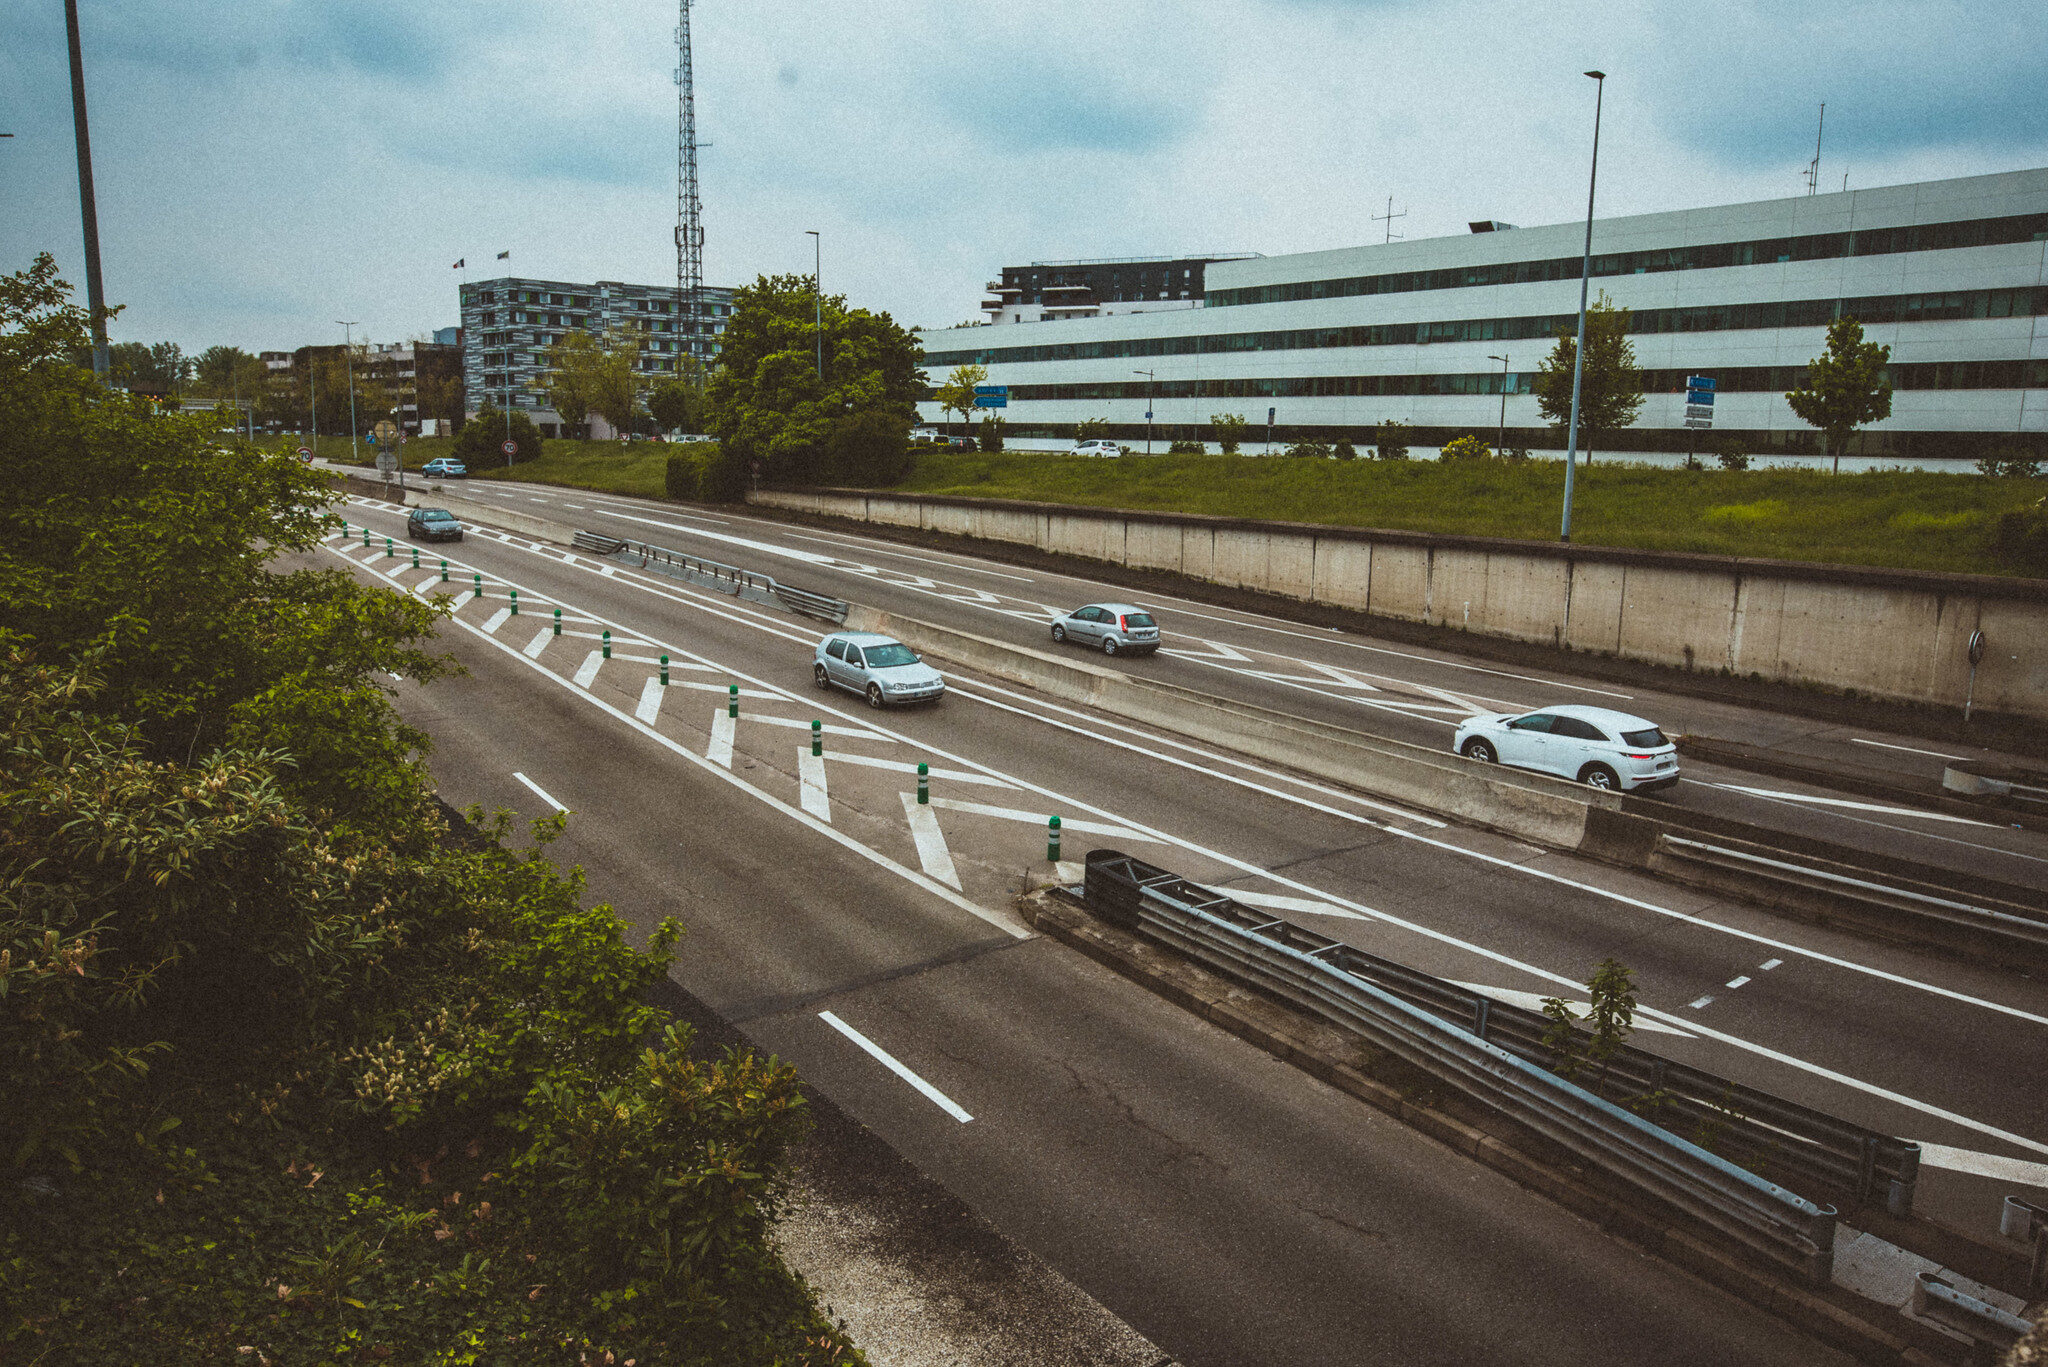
[[1896, 634]]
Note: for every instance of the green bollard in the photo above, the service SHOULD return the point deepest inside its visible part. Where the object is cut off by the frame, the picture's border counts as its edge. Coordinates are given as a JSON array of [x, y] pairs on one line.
[[817, 738], [515, 602], [366, 538], [444, 571], [1052, 840], [924, 785], [607, 645], [558, 621], [664, 671], [732, 700], [387, 548], [415, 557], [479, 585]]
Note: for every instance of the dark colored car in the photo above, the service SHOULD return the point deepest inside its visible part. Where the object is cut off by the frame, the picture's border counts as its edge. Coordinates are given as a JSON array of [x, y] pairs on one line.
[[433, 524]]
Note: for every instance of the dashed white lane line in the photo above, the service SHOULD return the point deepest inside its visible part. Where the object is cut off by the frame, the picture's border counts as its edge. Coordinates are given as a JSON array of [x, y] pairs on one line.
[[650, 700], [816, 799], [587, 675], [540, 792], [1911, 750], [719, 751], [1769, 964], [931, 1093], [1737, 982], [1701, 1002], [931, 842], [539, 643]]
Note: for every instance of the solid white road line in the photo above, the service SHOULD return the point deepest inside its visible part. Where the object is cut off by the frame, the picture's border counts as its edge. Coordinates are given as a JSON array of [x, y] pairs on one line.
[[1849, 805], [539, 643], [904, 766], [931, 841], [1533, 1001], [587, 675], [650, 700], [810, 769], [1911, 750], [1918, 834], [540, 792], [719, 751], [857, 733], [1067, 823], [931, 1093], [1273, 901], [1995, 1165]]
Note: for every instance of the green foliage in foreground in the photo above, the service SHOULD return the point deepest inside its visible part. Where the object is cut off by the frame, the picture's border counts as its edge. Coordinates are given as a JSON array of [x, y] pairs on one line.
[[293, 1072], [1908, 519]]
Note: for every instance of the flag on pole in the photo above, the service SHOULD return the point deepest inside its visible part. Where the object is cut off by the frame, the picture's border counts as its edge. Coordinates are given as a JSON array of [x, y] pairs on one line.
[[458, 265], [503, 255]]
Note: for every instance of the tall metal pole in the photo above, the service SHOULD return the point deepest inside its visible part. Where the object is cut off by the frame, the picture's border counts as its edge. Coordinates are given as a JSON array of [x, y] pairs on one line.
[[348, 351], [1501, 443], [818, 294], [1150, 378], [313, 392], [1571, 450], [689, 208], [88, 209]]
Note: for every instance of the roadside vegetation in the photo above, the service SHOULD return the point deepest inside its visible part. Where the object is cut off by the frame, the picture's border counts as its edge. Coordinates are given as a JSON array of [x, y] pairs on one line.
[[1903, 519], [296, 1069]]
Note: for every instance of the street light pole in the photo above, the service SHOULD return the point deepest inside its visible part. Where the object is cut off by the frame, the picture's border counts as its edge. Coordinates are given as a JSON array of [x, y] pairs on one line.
[[1501, 443], [1571, 450], [88, 209], [348, 354], [818, 294], [1150, 379]]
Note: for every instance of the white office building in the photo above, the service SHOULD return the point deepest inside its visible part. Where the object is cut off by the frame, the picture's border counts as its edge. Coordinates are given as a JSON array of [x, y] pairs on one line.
[[1952, 275]]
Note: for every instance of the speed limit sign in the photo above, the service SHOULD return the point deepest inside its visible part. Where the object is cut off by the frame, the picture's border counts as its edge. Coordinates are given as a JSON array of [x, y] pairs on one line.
[[510, 447], [305, 453]]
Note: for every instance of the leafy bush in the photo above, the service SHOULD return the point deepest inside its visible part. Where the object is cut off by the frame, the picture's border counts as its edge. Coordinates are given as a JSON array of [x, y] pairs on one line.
[[990, 437], [1229, 429], [1390, 440], [688, 476], [1465, 448], [1344, 450], [1515, 455], [2010, 462], [1730, 452], [1310, 448], [1090, 429], [1184, 448], [480, 445], [869, 449], [1693, 462]]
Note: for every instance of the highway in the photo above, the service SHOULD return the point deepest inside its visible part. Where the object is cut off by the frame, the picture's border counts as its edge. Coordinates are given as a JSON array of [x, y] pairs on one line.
[[1403, 692], [1226, 1205]]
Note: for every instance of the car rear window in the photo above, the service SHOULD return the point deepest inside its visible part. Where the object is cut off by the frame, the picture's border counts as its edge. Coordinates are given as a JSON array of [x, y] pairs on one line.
[[890, 655], [1137, 619], [1645, 740]]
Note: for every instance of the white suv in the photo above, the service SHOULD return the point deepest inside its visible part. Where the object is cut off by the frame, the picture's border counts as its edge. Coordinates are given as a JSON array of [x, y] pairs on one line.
[[1594, 745], [1100, 446]]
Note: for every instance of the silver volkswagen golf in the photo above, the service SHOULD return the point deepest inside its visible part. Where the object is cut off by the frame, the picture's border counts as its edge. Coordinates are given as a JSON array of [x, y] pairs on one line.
[[880, 668]]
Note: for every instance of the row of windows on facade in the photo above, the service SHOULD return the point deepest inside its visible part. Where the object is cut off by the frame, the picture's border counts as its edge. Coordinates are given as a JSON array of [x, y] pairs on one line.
[[542, 339], [578, 320], [576, 301], [2008, 374], [498, 379], [1924, 237], [1942, 306]]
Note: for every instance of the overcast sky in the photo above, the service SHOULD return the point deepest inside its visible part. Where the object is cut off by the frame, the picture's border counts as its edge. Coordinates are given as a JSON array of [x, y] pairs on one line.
[[266, 167]]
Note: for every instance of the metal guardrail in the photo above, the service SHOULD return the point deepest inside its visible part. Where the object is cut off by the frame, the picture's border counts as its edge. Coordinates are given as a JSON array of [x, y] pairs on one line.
[[1267, 952], [2016, 929], [713, 574], [1988, 1327]]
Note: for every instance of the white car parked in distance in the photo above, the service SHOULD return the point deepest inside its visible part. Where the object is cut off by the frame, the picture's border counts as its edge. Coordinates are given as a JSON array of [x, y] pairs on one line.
[[1592, 745], [1100, 446]]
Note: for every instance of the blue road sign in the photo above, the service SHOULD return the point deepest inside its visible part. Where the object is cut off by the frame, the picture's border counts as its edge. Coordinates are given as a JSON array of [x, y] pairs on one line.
[[991, 396], [1699, 382]]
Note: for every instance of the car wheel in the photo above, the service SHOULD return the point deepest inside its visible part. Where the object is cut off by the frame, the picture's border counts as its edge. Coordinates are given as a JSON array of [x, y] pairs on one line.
[[875, 696], [1600, 776], [1479, 750], [1059, 633], [1109, 646], [821, 677]]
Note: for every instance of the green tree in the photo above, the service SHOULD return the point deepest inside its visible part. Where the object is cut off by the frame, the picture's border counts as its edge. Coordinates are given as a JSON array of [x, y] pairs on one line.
[[956, 395], [480, 443], [990, 437], [1229, 430], [1390, 440], [1465, 448], [1611, 388], [1090, 429], [588, 374], [1730, 451], [674, 405], [774, 414], [1846, 387], [224, 372]]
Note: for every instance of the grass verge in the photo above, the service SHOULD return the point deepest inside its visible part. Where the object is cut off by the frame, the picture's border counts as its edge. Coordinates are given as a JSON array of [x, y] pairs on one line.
[[606, 467]]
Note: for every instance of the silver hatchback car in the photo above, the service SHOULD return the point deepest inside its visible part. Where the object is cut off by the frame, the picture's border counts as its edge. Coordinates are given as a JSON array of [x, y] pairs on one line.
[[1116, 627], [878, 667]]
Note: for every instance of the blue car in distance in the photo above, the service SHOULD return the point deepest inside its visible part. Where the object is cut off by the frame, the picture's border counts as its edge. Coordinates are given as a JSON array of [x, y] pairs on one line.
[[441, 467]]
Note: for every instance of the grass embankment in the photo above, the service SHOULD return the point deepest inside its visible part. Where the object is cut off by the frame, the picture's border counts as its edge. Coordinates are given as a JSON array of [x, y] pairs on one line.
[[607, 467], [1903, 519]]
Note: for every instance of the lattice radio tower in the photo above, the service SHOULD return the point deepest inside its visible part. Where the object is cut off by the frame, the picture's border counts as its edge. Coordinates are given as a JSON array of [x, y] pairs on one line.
[[689, 209]]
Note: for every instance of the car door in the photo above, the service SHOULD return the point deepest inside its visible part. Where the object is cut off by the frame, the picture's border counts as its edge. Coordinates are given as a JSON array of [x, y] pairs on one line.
[[1574, 744], [1524, 741], [856, 669], [1088, 625], [835, 662]]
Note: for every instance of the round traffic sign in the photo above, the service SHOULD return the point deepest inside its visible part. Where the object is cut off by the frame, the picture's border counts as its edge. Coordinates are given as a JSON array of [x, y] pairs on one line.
[[510, 447], [306, 452]]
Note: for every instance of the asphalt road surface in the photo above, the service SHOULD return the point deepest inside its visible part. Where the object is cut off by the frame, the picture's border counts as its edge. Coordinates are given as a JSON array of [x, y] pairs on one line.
[[1229, 1207]]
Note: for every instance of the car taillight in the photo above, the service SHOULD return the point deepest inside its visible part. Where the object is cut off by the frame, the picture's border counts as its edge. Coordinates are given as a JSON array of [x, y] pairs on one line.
[[1627, 756], [1122, 625]]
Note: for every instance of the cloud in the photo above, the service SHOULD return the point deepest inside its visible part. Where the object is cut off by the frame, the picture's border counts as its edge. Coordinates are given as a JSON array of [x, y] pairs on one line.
[[1039, 108]]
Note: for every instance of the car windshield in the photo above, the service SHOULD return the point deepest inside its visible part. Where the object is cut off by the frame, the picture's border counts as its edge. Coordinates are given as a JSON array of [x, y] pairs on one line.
[[889, 656], [1137, 619], [436, 515], [1645, 740]]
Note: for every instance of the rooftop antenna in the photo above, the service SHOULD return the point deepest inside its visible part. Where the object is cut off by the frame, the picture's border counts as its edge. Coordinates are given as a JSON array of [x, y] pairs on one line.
[[689, 208], [1390, 216], [1813, 167]]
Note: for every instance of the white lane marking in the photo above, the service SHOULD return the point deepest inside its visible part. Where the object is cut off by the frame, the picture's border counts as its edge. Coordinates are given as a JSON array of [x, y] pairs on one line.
[[924, 558], [577, 506], [719, 751], [1923, 835], [1273, 901], [1911, 750], [931, 1093], [1533, 1001], [498, 619], [540, 792], [650, 700], [722, 690], [817, 799], [1995, 1165], [1696, 1005], [1851, 806], [1039, 819], [1736, 982], [931, 841], [1769, 964], [539, 643], [587, 675], [856, 732], [760, 622], [904, 766]]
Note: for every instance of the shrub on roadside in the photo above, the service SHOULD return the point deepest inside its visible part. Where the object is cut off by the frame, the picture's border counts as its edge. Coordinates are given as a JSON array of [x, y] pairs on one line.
[[1465, 448], [1344, 450], [1310, 449], [1730, 452], [1229, 429], [481, 445], [1185, 448], [2010, 462], [1390, 440]]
